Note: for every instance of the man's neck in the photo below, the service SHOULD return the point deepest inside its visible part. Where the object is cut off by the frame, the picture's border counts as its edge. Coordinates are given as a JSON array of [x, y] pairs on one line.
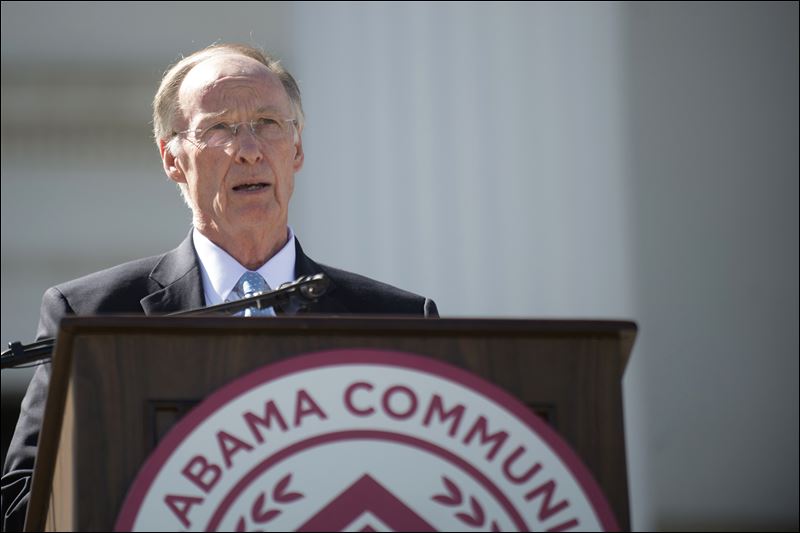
[[252, 249]]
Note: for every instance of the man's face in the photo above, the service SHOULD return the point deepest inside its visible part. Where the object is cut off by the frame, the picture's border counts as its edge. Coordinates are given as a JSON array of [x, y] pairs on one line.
[[242, 189]]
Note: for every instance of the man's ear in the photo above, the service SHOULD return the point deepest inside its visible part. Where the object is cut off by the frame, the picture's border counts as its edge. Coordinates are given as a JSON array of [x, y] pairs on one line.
[[170, 162], [299, 155]]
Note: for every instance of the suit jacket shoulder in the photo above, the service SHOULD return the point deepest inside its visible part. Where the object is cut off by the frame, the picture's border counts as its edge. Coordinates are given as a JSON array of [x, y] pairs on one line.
[[355, 294], [157, 284], [361, 295], [108, 291]]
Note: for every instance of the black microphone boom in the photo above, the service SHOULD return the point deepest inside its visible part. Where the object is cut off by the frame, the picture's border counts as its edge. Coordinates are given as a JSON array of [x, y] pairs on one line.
[[308, 288], [304, 289]]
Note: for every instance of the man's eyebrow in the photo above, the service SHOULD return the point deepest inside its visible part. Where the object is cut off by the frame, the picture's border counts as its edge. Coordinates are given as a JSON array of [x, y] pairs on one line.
[[206, 117], [268, 109], [219, 114]]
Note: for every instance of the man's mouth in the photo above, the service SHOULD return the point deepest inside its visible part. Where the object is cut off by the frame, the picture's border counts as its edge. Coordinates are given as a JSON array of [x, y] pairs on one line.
[[251, 186]]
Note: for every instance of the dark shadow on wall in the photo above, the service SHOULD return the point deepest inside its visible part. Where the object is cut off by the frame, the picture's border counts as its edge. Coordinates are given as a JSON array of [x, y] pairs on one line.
[[713, 105]]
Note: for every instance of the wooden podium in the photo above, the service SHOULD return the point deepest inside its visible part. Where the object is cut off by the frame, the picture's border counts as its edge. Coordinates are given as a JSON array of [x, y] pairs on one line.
[[119, 383]]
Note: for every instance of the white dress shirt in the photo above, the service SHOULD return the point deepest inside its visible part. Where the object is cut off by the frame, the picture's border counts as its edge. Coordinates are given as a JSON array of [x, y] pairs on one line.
[[221, 272]]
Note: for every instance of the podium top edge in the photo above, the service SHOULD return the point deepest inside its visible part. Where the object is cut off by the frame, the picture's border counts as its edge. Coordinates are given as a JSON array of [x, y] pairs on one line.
[[79, 324]]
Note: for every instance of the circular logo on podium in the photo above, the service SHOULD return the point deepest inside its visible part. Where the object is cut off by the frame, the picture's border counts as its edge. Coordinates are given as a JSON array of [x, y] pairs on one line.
[[363, 440]]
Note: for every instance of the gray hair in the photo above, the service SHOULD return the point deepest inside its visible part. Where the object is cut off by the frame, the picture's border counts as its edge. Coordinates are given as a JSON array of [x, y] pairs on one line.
[[165, 103]]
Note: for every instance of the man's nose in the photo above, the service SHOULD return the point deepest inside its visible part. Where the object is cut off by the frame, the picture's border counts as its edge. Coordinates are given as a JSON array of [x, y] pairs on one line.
[[247, 146]]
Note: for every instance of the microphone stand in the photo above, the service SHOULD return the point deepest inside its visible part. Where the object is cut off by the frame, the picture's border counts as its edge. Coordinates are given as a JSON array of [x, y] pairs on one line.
[[306, 289]]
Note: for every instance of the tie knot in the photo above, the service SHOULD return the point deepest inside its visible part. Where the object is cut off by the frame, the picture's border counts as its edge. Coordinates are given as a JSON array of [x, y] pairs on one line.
[[250, 283]]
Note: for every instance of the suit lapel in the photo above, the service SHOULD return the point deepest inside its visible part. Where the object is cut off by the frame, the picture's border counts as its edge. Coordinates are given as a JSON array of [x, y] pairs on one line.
[[330, 303], [178, 275]]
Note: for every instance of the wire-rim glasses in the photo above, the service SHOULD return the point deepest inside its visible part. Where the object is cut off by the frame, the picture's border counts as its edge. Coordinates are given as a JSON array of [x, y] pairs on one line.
[[223, 134]]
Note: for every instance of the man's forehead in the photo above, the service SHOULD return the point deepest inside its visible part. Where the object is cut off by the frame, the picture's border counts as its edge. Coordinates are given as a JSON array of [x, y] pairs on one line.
[[206, 75]]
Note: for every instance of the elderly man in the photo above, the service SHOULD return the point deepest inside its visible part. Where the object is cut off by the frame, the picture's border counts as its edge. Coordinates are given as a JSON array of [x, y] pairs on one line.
[[228, 122]]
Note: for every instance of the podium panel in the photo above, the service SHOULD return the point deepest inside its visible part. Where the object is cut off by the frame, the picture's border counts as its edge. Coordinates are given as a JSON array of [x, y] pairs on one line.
[[120, 383]]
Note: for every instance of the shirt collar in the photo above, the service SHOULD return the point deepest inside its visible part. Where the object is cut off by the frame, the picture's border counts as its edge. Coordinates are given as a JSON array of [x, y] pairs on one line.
[[220, 271]]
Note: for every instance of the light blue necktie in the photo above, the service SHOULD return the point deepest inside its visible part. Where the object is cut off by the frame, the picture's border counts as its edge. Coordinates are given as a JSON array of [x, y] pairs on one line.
[[249, 284]]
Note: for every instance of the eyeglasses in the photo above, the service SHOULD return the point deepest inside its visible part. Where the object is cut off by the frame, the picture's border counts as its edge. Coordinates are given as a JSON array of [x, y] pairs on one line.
[[222, 134]]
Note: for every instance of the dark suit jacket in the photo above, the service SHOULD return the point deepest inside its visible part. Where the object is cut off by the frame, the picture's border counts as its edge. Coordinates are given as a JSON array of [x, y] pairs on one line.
[[159, 285]]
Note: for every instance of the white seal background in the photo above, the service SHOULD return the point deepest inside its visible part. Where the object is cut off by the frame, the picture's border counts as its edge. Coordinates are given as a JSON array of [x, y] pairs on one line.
[[321, 473]]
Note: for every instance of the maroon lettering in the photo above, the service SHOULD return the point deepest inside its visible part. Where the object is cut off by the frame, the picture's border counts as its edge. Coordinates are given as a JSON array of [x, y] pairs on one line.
[[271, 413], [306, 406], [198, 470], [437, 405], [524, 477], [546, 510], [387, 403], [499, 438], [348, 398], [230, 445], [181, 505]]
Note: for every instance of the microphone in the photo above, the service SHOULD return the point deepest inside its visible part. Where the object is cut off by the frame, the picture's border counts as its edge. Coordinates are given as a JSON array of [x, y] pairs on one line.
[[290, 296]]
